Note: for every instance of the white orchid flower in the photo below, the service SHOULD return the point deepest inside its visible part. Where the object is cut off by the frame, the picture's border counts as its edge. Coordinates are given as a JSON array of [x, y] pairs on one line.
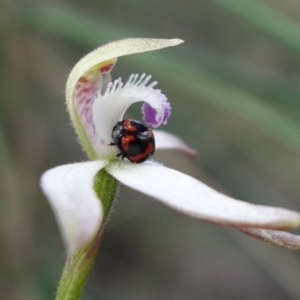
[[95, 105]]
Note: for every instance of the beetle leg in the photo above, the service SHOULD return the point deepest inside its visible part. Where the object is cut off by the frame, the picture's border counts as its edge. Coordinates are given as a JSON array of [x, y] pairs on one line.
[[120, 154]]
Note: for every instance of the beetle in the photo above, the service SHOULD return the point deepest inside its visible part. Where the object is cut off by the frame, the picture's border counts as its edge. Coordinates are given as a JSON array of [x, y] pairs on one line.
[[134, 140]]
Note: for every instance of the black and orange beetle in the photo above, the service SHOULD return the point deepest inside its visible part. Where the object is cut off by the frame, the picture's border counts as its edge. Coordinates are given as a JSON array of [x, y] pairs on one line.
[[134, 140]]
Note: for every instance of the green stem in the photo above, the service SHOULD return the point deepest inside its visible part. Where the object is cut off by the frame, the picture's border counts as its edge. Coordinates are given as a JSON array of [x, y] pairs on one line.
[[78, 266]]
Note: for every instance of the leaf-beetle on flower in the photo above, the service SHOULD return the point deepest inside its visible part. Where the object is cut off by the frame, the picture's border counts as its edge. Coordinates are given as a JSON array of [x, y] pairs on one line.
[[134, 140]]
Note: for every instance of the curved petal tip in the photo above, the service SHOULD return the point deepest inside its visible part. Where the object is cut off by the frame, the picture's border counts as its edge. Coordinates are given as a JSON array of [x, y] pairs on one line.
[[165, 140]]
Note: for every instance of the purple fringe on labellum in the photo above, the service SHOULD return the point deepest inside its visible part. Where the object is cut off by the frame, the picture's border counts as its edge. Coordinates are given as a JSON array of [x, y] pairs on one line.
[[155, 118]]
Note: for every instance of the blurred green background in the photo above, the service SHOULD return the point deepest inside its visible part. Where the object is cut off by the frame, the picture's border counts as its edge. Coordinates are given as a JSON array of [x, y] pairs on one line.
[[234, 88]]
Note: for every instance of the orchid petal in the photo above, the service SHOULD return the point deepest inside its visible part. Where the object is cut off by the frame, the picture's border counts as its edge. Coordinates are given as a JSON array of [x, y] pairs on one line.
[[165, 140], [91, 75], [276, 237], [77, 208], [190, 196]]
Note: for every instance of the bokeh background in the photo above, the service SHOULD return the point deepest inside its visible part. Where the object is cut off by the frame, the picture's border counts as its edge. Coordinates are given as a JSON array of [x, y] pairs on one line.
[[234, 88]]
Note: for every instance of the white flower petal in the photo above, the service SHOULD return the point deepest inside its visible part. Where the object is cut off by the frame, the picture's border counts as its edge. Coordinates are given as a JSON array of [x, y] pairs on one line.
[[77, 208], [194, 198], [276, 237], [166, 140]]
